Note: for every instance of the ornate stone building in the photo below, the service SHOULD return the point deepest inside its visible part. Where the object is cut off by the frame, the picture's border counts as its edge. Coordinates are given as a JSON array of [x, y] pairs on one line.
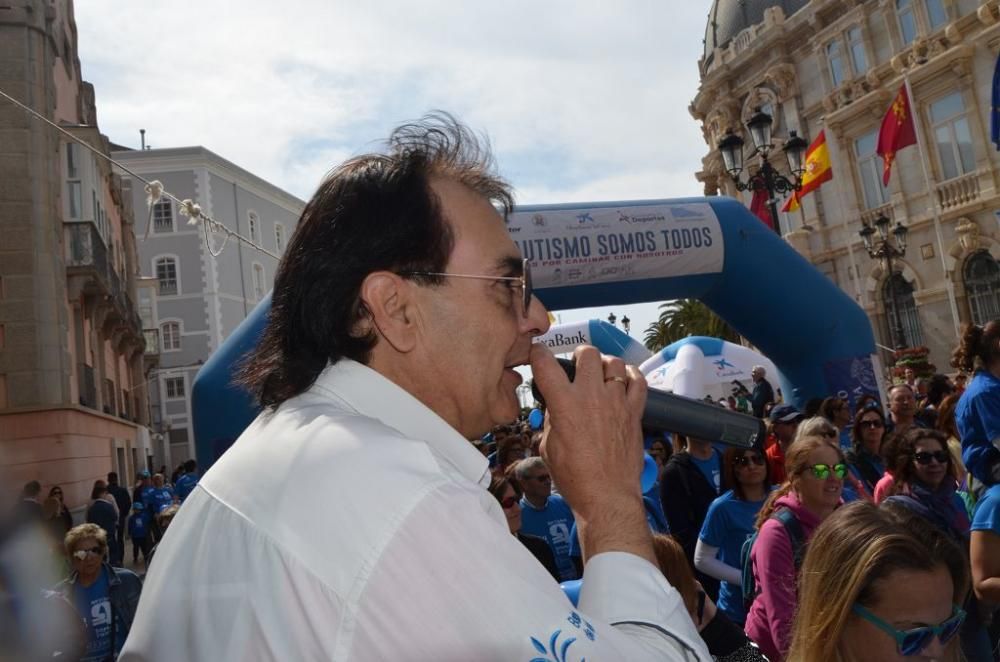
[[836, 65], [73, 397]]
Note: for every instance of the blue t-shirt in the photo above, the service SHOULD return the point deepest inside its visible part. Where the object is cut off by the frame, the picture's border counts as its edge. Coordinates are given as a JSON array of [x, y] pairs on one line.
[[138, 525], [185, 484], [158, 499], [93, 603], [977, 416], [728, 523], [711, 468], [987, 517], [553, 523]]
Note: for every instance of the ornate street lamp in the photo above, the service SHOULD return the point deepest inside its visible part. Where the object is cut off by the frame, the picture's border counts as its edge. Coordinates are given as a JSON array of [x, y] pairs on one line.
[[612, 319], [766, 178], [887, 249]]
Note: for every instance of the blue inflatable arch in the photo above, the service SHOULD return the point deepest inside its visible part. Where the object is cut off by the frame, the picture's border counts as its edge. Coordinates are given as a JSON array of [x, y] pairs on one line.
[[599, 254]]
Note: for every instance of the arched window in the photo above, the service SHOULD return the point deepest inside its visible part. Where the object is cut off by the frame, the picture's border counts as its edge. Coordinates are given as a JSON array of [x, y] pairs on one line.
[[900, 305], [982, 287], [166, 274], [170, 335]]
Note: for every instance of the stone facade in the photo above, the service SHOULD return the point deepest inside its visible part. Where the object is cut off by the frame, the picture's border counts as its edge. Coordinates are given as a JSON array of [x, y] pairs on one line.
[[836, 65], [73, 400]]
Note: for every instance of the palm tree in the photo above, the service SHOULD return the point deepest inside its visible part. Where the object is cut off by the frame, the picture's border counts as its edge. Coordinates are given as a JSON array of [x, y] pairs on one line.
[[683, 318]]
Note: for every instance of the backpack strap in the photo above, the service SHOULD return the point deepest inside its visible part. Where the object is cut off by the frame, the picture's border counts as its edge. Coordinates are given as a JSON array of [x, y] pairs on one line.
[[795, 534]]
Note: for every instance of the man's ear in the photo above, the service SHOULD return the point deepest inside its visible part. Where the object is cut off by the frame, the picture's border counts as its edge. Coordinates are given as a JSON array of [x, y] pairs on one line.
[[388, 298]]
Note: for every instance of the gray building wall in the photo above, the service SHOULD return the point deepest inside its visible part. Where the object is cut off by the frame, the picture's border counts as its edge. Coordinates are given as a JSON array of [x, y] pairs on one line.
[[215, 293]]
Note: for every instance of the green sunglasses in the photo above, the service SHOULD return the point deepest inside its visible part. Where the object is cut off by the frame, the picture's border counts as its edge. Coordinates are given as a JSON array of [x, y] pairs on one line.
[[911, 642], [822, 471]]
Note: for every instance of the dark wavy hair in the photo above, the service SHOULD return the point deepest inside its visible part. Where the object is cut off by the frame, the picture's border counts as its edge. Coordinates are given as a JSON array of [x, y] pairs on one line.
[[856, 427], [903, 471], [979, 346], [729, 460], [376, 212]]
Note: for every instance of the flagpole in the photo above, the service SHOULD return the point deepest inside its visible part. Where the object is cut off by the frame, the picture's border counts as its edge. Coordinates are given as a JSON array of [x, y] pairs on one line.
[[932, 193], [848, 238]]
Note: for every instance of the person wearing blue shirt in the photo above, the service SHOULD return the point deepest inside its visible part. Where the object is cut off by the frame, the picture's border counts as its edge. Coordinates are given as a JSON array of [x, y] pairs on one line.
[[977, 414], [984, 547], [140, 531], [105, 598], [544, 514], [729, 522], [186, 483], [160, 497]]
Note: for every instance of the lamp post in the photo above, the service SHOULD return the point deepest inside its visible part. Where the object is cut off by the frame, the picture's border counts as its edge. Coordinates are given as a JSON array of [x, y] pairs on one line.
[[766, 177], [612, 319], [626, 324], [887, 249]]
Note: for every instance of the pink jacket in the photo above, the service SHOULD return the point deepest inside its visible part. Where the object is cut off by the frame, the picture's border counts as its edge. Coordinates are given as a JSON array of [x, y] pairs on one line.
[[769, 622], [882, 487]]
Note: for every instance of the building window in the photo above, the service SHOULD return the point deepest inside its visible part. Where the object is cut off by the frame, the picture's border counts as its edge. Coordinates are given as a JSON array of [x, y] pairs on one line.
[[982, 287], [74, 190], [174, 387], [254, 226], [857, 47], [899, 304], [836, 62], [163, 216], [279, 236], [952, 136], [166, 274], [907, 20], [170, 332], [936, 13], [870, 171], [258, 282]]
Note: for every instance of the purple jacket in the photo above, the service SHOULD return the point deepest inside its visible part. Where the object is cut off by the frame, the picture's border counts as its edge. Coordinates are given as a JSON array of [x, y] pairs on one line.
[[769, 622]]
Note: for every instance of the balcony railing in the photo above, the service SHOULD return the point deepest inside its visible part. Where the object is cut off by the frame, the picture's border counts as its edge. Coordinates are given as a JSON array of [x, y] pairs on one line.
[[88, 253], [958, 191]]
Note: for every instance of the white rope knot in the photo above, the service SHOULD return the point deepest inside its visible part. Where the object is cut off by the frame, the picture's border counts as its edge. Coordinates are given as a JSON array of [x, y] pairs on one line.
[[154, 190], [191, 209]]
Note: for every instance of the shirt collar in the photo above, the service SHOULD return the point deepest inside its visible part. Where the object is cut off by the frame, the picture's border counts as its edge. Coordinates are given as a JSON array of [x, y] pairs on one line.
[[370, 394]]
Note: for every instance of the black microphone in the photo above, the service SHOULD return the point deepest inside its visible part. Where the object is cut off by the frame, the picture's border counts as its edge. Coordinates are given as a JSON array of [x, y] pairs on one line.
[[692, 418]]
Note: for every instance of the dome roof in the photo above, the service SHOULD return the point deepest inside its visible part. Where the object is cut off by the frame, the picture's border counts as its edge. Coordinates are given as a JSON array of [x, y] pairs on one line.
[[727, 18]]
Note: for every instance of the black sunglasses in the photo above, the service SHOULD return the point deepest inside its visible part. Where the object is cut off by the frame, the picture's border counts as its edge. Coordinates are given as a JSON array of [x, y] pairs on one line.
[[872, 424], [523, 281], [925, 457]]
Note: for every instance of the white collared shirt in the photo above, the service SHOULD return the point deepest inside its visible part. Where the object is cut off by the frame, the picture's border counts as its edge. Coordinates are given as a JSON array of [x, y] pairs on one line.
[[354, 524]]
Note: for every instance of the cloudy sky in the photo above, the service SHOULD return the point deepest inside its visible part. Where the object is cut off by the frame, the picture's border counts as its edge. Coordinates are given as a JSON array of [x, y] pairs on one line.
[[583, 101]]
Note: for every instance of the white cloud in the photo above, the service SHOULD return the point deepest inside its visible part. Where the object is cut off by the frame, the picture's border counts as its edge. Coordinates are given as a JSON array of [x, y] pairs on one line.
[[584, 100]]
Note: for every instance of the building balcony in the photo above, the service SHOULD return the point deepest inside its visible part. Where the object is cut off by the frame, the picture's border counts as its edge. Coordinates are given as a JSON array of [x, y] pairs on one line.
[[87, 255], [959, 191]]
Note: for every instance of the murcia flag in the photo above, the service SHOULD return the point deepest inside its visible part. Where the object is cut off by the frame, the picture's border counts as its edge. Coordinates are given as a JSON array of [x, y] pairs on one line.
[[896, 133], [817, 171]]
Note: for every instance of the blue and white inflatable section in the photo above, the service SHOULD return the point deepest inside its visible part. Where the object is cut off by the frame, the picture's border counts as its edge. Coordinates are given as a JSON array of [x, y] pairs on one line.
[[564, 338], [698, 366], [614, 253]]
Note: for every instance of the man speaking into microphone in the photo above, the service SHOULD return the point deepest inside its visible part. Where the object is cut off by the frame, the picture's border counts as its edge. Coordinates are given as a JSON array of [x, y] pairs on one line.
[[351, 520]]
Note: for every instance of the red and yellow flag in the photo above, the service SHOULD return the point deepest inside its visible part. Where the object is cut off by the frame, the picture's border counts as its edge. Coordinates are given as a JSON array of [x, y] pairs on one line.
[[817, 171], [896, 133]]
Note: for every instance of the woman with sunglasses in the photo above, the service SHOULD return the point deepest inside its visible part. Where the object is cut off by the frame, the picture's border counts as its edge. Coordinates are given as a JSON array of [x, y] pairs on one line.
[[816, 471], [729, 522], [509, 497], [820, 426], [863, 458], [105, 598], [926, 482], [65, 517], [879, 584]]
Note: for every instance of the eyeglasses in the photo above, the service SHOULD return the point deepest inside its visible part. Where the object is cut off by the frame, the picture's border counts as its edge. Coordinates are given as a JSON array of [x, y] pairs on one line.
[[872, 424], [747, 460], [925, 457], [822, 471], [523, 281], [81, 554], [509, 502], [911, 642]]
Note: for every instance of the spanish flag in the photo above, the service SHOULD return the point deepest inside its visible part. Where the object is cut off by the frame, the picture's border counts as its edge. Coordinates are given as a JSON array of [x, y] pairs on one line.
[[818, 171], [897, 131]]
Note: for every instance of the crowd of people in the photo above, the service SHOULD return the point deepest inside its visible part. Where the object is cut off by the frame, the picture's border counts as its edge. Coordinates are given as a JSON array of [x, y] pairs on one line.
[[744, 520], [98, 588]]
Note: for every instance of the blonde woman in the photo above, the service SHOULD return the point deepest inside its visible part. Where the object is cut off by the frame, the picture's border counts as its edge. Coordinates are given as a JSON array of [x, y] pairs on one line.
[[820, 426], [815, 469], [879, 584]]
